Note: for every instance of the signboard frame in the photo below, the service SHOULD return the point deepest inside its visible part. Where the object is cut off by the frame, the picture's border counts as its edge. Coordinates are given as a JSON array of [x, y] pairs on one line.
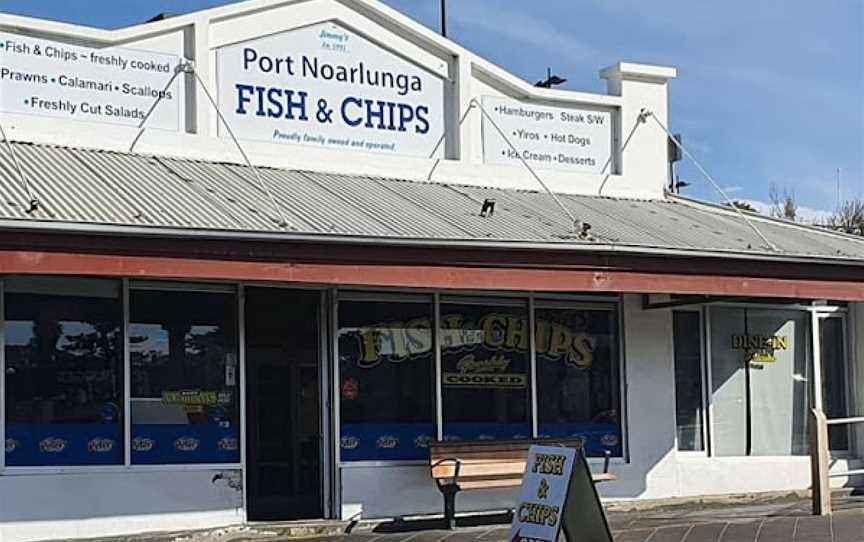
[[317, 106], [557, 493], [111, 85], [547, 142]]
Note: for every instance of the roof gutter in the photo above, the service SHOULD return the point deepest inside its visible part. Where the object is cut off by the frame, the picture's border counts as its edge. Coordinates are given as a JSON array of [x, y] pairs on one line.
[[186, 233]]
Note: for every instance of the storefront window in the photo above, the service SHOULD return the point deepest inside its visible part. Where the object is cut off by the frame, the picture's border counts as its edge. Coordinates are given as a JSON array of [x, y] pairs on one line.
[[688, 380], [386, 380], [760, 370], [485, 371], [577, 377], [64, 372], [835, 378], [183, 353]]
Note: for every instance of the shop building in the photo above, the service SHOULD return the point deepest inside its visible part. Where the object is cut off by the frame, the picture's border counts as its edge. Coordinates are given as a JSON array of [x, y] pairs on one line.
[[191, 340]]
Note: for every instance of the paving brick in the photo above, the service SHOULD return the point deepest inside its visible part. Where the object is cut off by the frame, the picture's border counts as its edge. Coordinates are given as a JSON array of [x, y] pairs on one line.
[[813, 529], [740, 531], [705, 532], [777, 530], [668, 534]]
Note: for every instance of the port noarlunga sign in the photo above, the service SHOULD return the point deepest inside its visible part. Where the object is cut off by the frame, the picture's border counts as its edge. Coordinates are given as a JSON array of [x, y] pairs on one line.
[[327, 86]]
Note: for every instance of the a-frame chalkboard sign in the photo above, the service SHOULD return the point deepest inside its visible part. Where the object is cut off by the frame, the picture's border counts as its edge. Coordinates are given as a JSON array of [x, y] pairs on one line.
[[558, 492]]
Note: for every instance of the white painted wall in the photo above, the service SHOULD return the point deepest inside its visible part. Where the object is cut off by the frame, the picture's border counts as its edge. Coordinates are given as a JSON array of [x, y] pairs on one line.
[[198, 35], [107, 503]]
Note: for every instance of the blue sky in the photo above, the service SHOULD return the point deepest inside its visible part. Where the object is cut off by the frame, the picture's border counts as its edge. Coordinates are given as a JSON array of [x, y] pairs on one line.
[[768, 90]]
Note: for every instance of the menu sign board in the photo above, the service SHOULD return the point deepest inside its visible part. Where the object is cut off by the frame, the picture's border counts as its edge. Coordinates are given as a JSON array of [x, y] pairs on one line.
[[565, 139], [326, 86], [112, 85], [557, 491]]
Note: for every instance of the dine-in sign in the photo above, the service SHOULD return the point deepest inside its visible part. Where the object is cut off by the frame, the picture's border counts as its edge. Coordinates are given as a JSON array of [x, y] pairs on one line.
[[326, 86], [557, 491]]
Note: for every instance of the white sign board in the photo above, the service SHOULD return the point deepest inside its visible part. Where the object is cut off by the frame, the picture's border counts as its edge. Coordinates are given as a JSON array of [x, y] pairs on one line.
[[565, 139], [545, 485], [326, 86], [113, 85]]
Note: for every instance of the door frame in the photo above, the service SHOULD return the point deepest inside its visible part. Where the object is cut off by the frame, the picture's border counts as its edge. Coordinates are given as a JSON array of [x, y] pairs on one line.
[[818, 318], [324, 382]]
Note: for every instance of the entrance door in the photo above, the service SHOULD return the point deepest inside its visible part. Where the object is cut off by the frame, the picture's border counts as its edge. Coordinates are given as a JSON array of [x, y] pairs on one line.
[[283, 413]]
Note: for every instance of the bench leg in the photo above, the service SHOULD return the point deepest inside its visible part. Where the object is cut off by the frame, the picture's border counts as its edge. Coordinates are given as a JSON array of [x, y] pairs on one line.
[[449, 492]]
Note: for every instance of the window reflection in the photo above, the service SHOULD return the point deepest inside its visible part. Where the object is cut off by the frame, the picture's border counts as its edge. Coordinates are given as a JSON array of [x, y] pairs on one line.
[[386, 380], [64, 379], [577, 377], [183, 353], [485, 372]]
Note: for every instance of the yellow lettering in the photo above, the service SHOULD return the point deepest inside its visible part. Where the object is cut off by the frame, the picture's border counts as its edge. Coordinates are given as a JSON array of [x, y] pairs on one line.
[[419, 336], [492, 324], [517, 333], [371, 345], [583, 351], [560, 340], [541, 337]]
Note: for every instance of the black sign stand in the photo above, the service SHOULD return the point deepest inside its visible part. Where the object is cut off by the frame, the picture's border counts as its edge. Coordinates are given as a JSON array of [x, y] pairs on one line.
[[584, 519]]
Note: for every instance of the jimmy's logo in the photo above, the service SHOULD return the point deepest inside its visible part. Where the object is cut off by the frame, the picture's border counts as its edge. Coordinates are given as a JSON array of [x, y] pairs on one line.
[[227, 444], [12, 445], [143, 444], [349, 443], [100, 445], [422, 441], [387, 442], [52, 445], [609, 440], [186, 444]]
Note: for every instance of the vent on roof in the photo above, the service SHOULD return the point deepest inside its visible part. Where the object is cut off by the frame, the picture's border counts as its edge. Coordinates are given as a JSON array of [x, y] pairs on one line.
[[162, 16]]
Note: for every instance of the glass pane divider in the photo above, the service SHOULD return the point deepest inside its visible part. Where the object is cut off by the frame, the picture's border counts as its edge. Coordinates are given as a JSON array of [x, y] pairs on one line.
[[241, 389], [439, 392], [532, 349], [709, 388], [127, 379]]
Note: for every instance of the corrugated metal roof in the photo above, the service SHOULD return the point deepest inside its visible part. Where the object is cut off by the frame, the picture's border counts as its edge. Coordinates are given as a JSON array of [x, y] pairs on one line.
[[103, 189]]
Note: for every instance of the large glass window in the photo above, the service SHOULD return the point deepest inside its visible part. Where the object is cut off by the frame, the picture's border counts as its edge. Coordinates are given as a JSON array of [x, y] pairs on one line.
[[688, 380], [835, 378], [485, 371], [386, 380], [578, 386], [760, 368], [64, 372], [184, 373]]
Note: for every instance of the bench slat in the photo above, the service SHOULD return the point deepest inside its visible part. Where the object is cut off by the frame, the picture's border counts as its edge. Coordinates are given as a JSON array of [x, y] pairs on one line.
[[448, 470]]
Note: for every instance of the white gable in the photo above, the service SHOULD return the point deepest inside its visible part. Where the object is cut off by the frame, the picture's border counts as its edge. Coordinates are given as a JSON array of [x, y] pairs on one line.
[[380, 94]]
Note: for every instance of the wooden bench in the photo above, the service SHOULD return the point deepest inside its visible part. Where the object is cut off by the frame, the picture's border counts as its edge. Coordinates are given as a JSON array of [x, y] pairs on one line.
[[459, 465]]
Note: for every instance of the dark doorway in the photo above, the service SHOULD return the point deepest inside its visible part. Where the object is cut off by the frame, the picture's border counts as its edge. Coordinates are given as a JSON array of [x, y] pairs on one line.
[[283, 412]]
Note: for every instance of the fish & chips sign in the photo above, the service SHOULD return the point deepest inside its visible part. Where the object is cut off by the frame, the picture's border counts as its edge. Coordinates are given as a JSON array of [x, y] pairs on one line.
[[327, 86], [494, 332], [558, 493]]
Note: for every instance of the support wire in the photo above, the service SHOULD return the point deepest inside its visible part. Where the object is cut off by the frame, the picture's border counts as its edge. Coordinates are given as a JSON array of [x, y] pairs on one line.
[[574, 222], [32, 200], [187, 66], [646, 114], [282, 220], [180, 68]]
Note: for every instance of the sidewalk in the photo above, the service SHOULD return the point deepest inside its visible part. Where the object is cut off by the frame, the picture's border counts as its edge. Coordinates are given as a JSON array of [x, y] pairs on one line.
[[786, 519]]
